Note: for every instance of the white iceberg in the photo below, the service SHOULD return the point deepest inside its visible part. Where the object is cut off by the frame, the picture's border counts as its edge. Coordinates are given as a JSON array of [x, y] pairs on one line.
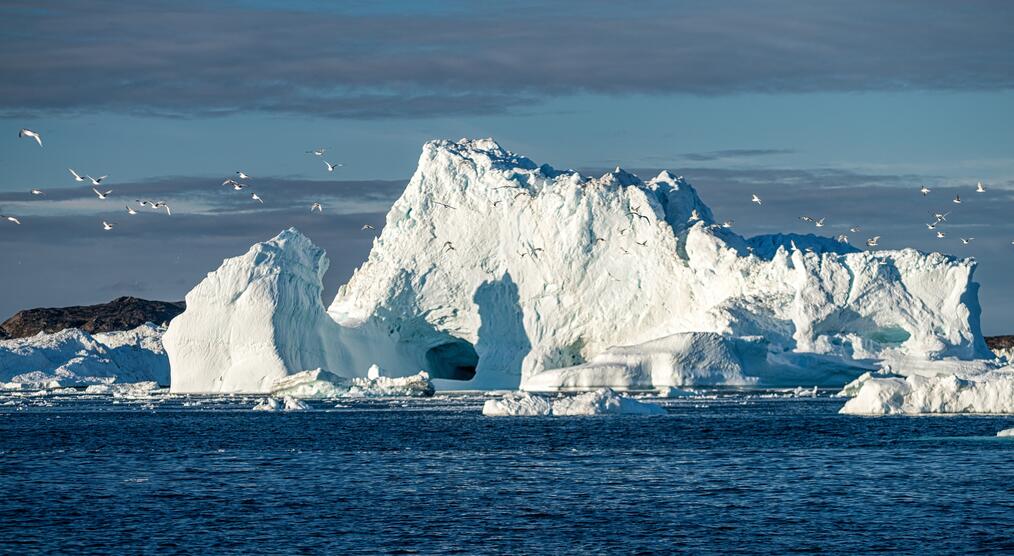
[[73, 357], [320, 384], [603, 401], [287, 403], [988, 392], [1006, 433], [573, 283]]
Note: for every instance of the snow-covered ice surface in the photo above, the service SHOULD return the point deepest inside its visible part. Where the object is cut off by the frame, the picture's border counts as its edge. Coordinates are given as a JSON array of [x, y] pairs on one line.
[[503, 273], [1006, 433], [599, 402], [72, 357], [986, 392]]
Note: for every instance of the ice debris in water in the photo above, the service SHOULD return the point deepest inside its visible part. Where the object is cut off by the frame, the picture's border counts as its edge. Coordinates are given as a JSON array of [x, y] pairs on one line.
[[603, 401], [1006, 433], [321, 384], [288, 403]]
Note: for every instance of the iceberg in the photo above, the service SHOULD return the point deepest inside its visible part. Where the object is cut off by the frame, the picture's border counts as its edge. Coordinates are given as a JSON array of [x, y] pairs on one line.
[[988, 392], [287, 403], [502, 273], [1006, 433], [603, 401], [321, 384], [73, 357]]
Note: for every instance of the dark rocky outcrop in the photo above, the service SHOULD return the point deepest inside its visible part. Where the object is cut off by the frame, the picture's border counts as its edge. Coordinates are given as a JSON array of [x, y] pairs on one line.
[[1000, 342], [122, 313]]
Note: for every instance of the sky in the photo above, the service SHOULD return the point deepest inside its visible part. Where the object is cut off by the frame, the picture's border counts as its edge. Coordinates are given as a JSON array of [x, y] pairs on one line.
[[841, 110]]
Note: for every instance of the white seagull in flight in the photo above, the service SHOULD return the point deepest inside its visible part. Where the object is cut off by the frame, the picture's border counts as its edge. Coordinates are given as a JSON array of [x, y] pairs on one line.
[[957, 199], [75, 174], [107, 225], [256, 198], [316, 207], [331, 167], [32, 134], [368, 227], [756, 199], [819, 223], [10, 219], [130, 210], [966, 241], [241, 175], [924, 190], [941, 235], [37, 192], [101, 194], [162, 204], [317, 152], [979, 188], [97, 181], [694, 216], [873, 241]]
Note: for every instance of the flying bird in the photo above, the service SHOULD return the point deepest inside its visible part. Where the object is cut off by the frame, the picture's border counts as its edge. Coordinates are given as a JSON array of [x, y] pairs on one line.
[[979, 188], [842, 238], [933, 226], [941, 216], [728, 223], [317, 152], [966, 241], [873, 241], [316, 207], [238, 186], [957, 199], [31, 134], [107, 226], [75, 174], [941, 235], [162, 204], [694, 216], [819, 223], [241, 175], [448, 246], [443, 204], [368, 227], [144, 203], [331, 167], [806, 218], [37, 192], [101, 194], [756, 199], [924, 190], [256, 198], [11, 219], [96, 181], [130, 210], [855, 229]]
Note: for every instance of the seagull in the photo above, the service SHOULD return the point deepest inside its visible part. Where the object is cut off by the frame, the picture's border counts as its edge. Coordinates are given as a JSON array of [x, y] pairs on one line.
[[101, 194], [855, 229], [368, 227], [238, 186], [32, 134], [317, 152], [316, 207], [873, 241], [130, 210], [106, 226], [965, 241], [694, 216], [642, 243], [756, 199], [957, 199], [806, 219], [331, 167], [75, 174], [144, 203], [256, 198], [229, 181], [941, 216], [819, 223], [241, 175], [96, 181], [10, 219], [941, 235], [924, 190], [933, 226], [636, 212], [162, 204], [443, 204], [842, 238], [728, 223], [448, 246], [979, 188], [37, 192]]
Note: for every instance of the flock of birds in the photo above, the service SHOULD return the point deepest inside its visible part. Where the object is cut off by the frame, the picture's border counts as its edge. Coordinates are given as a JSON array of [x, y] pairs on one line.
[[939, 218], [159, 205]]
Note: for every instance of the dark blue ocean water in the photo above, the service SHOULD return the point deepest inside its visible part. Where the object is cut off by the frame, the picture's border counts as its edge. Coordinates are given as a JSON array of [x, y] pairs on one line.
[[736, 474]]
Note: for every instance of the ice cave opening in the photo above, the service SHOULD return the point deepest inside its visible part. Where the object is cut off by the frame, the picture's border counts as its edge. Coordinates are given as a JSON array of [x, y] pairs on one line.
[[455, 360]]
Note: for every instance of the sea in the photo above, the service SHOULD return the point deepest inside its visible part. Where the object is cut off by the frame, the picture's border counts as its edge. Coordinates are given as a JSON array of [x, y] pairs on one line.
[[727, 472]]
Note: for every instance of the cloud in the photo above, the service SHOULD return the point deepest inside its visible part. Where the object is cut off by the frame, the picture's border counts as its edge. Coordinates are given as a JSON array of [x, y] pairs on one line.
[[357, 60], [733, 153]]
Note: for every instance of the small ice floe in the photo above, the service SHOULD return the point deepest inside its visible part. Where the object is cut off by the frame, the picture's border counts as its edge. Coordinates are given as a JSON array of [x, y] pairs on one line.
[[600, 402], [1006, 433], [321, 384], [287, 403]]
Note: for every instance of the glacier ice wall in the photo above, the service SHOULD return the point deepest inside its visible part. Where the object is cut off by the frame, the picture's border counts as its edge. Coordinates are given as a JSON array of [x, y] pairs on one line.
[[494, 269]]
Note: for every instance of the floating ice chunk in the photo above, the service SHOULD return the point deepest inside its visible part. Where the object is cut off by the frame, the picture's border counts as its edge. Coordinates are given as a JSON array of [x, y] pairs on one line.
[[267, 404], [991, 392], [1006, 433], [600, 402], [316, 384], [517, 404], [292, 404], [603, 402], [415, 386], [124, 390], [373, 372]]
